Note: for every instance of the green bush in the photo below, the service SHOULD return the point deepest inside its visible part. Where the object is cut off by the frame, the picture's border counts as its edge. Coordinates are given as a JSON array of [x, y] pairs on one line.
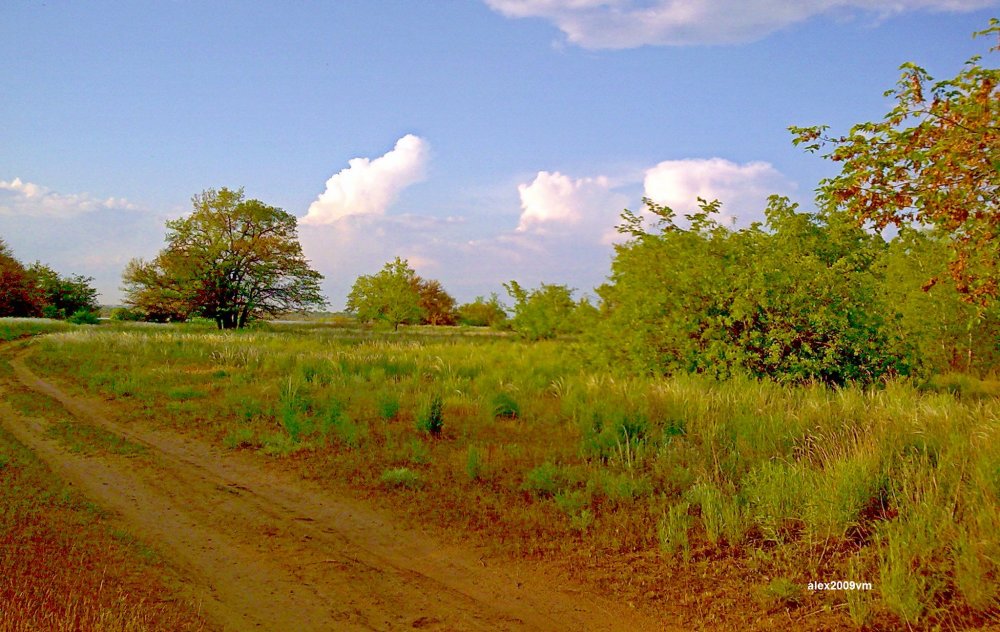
[[125, 314], [544, 480], [84, 317], [796, 299]]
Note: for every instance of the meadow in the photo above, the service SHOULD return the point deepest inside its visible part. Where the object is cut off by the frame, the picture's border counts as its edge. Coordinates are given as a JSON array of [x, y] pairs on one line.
[[745, 489]]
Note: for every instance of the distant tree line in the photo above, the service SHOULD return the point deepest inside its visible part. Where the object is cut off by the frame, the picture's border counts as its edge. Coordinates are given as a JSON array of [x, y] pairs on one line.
[[39, 291]]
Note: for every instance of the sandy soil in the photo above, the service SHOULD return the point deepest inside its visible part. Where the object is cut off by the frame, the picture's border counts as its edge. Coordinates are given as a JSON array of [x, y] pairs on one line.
[[263, 550]]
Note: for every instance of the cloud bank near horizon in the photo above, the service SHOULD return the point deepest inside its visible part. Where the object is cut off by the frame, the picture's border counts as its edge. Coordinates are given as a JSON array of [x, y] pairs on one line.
[[26, 199], [620, 24]]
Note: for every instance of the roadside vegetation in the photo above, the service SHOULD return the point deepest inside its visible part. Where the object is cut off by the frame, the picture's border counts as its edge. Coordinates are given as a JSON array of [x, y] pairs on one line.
[[544, 455]]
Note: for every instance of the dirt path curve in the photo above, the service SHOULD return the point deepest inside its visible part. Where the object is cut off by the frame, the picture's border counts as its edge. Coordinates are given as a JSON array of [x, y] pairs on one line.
[[264, 550]]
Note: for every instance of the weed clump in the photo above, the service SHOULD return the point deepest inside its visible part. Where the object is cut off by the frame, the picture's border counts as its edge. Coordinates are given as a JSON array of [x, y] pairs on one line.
[[400, 477], [544, 480], [388, 406], [473, 463], [505, 406], [431, 420], [672, 531]]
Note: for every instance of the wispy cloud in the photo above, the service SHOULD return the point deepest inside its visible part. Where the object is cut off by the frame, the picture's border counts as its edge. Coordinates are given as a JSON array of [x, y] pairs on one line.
[[369, 186], [26, 199], [617, 24]]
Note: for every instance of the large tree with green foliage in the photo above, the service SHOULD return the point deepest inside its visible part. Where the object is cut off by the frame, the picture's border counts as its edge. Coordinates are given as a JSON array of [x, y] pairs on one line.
[[390, 296], [934, 160], [230, 260]]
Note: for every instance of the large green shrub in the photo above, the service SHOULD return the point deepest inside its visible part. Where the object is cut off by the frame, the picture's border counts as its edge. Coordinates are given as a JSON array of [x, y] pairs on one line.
[[794, 299]]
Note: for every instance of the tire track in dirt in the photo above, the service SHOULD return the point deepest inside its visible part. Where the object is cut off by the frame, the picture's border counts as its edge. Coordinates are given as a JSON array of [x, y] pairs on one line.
[[264, 550]]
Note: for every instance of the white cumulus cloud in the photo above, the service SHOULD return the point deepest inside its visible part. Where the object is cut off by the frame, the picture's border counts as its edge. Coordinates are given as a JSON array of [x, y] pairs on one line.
[[369, 187], [617, 24], [27, 199], [554, 202], [743, 189]]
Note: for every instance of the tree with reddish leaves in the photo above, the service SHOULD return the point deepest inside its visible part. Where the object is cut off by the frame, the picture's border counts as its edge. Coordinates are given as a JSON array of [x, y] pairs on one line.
[[20, 294], [934, 160], [438, 306]]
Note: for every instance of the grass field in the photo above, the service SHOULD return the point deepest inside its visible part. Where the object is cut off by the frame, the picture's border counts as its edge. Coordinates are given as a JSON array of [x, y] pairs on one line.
[[63, 565], [758, 489]]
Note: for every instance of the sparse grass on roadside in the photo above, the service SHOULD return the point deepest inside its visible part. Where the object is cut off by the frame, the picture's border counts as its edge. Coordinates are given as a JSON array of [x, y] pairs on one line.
[[63, 568], [87, 439]]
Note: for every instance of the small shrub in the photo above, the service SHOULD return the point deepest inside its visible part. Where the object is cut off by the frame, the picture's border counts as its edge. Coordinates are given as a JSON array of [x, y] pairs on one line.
[[388, 406], [621, 437], [783, 591], [431, 420], [620, 488], [338, 425], [84, 317], [544, 480], [572, 502], [505, 406], [124, 314], [53, 312], [400, 477], [280, 444]]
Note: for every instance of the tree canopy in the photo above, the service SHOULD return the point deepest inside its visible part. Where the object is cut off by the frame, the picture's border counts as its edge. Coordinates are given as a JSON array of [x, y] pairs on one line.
[[543, 312], [230, 260], [934, 160], [483, 312], [390, 295], [437, 306], [64, 296], [19, 293]]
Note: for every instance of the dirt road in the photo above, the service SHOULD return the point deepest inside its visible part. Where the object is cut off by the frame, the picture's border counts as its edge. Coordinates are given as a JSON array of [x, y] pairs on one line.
[[268, 551]]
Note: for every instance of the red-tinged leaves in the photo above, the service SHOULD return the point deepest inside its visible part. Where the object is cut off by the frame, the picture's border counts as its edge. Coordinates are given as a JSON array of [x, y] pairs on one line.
[[934, 160]]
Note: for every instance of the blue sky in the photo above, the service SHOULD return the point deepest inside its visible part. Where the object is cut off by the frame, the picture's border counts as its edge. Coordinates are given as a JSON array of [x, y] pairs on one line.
[[484, 140]]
